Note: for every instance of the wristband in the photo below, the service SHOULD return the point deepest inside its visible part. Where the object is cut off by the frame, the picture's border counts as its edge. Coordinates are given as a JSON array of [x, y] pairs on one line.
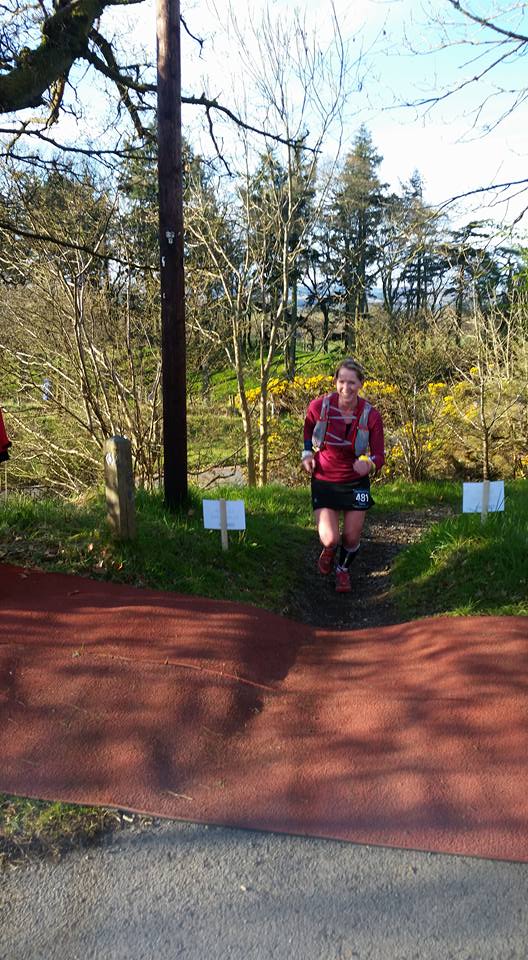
[[306, 453]]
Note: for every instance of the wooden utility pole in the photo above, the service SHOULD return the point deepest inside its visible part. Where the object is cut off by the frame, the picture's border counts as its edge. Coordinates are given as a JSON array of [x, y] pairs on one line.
[[170, 179]]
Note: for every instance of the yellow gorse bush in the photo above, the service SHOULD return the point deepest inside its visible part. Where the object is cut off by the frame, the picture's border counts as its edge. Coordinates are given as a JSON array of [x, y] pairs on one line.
[[433, 432], [300, 387], [378, 387], [306, 388], [449, 407], [436, 389]]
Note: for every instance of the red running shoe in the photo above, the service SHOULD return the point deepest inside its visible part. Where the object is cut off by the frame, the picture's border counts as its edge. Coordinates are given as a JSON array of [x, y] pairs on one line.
[[343, 581], [326, 560]]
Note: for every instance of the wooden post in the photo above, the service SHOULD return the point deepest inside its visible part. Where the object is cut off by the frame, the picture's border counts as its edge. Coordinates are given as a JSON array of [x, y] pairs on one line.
[[223, 524], [119, 488], [485, 500], [170, 178]]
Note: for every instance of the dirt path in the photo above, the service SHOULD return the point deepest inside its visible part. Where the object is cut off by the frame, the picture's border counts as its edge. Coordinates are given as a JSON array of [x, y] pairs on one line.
[[315, 601]]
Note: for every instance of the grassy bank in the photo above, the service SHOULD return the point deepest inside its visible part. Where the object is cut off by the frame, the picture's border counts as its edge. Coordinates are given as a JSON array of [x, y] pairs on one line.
[[174, 552], [171, 551], [463, 566]]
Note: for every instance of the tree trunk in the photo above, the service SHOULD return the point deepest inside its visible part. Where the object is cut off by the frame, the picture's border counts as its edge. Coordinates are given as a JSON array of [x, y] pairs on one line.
[[325, 310], [244, 409], [291, 343], [263, 434], [485, 433]]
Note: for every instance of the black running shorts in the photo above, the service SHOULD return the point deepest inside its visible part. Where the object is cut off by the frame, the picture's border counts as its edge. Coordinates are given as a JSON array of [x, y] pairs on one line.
[[342, 496]]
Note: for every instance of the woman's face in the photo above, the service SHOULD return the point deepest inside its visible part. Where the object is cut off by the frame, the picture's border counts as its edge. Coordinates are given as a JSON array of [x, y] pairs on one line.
[[348, 385]]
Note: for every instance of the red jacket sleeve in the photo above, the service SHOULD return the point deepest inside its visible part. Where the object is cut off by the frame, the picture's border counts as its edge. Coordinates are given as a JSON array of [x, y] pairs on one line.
[[5, 442], [313, 414], [376, 439]]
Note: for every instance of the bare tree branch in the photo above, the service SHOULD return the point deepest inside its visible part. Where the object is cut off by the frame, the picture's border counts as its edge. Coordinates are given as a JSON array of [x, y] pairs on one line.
[[68, 245], [465, 83], [25, 131], [64, 39], [199, 41], [214, 105], [488, 23], [493, 186], [106, 49], [497, 48], [70, 34]]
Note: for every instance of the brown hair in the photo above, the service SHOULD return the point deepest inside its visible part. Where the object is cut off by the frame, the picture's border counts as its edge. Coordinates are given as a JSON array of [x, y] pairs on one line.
[[353, 365]]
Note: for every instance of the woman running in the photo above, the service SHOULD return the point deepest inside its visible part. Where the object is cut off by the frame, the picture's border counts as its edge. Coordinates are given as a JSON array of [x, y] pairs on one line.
[[346, 432]]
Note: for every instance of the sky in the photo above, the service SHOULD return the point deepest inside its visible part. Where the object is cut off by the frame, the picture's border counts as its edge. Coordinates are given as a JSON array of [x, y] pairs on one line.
[[407, 50]]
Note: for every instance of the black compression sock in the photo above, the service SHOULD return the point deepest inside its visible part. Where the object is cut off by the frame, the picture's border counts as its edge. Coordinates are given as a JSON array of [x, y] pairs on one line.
[[347, 556]]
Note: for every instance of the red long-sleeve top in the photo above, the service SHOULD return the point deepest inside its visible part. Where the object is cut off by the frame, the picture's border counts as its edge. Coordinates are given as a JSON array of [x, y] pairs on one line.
[[334, 461]]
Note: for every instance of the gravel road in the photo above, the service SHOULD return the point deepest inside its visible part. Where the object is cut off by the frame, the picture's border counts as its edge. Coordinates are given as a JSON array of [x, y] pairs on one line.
[[177, 890]]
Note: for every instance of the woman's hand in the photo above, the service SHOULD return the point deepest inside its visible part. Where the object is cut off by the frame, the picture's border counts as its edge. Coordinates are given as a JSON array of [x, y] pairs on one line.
[[363, 467], [308, 463]]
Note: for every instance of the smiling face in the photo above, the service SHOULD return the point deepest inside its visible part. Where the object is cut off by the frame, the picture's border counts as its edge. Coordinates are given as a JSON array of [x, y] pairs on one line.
[[348, 385]]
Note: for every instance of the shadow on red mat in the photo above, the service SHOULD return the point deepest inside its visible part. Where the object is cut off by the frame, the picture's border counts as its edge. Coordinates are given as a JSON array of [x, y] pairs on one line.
[[413, 735]]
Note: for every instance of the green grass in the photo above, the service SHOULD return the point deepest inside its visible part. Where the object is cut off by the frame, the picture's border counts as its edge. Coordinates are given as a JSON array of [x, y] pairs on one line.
[[213, 437], [174, 552], [171, 551], [308, 363], [402, 496], [463, 566], [36, 827]]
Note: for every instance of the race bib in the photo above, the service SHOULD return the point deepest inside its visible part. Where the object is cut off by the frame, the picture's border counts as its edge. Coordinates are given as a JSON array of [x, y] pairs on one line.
[[361, 498]]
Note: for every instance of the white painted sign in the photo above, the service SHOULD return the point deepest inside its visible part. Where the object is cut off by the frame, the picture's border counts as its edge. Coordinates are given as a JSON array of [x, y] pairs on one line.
[[235, 514], [473, 497]]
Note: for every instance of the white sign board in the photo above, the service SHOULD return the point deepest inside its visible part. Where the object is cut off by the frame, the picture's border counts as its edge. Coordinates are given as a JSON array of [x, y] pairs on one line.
[[236, 516], [472, 497]]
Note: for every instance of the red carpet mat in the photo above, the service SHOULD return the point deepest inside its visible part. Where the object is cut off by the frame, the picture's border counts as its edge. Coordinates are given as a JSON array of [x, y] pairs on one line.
[[414, 735]]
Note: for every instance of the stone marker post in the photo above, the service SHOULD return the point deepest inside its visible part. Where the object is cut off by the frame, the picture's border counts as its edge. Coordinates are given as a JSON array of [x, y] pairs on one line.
[[119, 488]]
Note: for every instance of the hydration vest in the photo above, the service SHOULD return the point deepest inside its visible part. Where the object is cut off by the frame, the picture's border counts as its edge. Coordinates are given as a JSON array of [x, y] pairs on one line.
[[362, 435]]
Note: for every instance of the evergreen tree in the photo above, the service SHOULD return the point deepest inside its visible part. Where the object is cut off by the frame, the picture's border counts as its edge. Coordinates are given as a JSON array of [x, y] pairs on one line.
[[280, 201], [482, 271], [413, 269], [356, 215]]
